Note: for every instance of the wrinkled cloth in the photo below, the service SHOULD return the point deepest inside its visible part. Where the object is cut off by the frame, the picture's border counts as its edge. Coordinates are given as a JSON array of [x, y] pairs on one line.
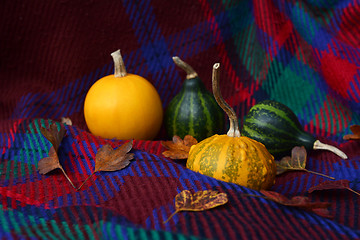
[[302, 53]]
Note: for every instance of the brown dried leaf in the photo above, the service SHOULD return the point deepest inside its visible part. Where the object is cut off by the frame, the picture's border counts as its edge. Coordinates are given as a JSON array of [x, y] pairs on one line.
[[54, 135], [302, 202], [330, 185], [178, 148], [200, 201], [47, 164], [355, 129], [297, 162], [108, 159]]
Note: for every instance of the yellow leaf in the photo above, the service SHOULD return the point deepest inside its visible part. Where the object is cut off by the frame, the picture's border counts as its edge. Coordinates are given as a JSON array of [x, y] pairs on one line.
[[199, 201]]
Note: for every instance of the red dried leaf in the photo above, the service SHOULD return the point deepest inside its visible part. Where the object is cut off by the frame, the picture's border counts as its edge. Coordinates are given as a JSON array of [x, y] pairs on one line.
[[178, 148], [302, 202], [200, 201], [355, 129], [322, 212], [339, 184], [331, 185], [108, 159]]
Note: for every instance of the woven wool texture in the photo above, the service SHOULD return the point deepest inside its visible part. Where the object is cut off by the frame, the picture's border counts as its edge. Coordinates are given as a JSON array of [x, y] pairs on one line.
[[305, 54]]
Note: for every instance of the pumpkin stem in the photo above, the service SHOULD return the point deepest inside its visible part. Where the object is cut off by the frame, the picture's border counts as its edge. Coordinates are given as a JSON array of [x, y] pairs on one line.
[[190, 72], [234, 125], [119, 66], [323, 146]]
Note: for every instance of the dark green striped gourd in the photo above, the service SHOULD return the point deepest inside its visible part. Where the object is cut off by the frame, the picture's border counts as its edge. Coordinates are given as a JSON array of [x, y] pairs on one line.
[[278, 128], [193, 111]]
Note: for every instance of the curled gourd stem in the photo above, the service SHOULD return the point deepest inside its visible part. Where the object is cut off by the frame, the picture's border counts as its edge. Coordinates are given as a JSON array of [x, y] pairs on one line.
[[190, 72], [119, 66], [234, 125], [319, 145]]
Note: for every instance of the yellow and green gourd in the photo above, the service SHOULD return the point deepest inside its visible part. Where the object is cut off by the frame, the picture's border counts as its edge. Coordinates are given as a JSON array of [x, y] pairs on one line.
[[231, 157], [193, 111]]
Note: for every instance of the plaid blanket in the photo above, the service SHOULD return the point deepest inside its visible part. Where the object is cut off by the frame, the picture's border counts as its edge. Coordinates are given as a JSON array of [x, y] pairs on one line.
[[303, 53]]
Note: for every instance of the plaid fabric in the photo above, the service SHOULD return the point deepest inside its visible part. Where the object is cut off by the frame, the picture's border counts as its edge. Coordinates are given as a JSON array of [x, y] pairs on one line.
[[304, 54]]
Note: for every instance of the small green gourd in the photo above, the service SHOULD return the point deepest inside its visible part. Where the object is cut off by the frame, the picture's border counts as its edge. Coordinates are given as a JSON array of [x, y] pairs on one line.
[[193, 111], [277, 127]]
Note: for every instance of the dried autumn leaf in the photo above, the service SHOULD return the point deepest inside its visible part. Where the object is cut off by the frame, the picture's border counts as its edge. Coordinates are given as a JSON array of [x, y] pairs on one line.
[[330, 185], [108, 159], [54, 135], [66, 120], [302, 202], [199, 201], [297, 162], [47, 164], [178, 148], [355, 129]]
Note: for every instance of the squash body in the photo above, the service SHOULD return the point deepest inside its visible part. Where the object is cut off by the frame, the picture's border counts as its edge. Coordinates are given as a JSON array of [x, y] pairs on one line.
[[126, 107], [193, 111], [238, 160], [277, 127]]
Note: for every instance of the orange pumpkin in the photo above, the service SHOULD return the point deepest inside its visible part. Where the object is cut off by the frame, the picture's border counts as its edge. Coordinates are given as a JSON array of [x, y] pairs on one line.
[[123, 106]]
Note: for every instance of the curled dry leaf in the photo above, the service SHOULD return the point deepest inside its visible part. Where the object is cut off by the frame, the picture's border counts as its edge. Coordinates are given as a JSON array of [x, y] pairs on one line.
[[199, 201], [355, 129], [320, 208], [331, 185], [178, 148], [55, 136], [108, 159], [66, 120], [297, 162]]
